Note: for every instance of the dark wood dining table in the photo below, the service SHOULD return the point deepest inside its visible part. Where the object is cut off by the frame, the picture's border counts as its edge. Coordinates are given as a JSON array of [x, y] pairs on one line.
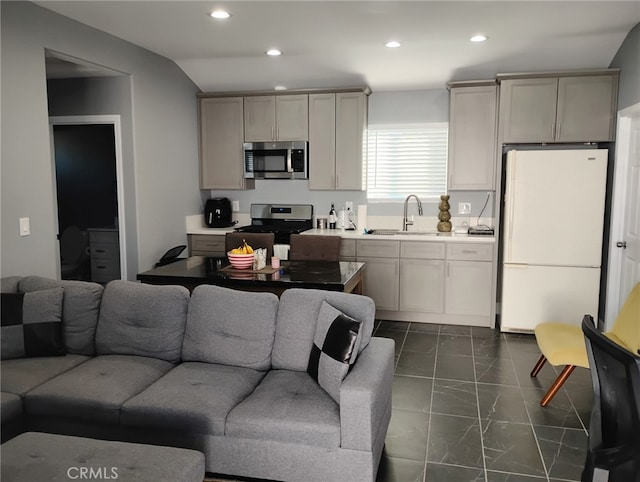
[[346, 276]]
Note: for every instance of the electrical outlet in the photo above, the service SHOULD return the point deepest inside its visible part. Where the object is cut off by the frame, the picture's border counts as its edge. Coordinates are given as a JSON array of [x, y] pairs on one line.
[[464, 208], [235, 206]]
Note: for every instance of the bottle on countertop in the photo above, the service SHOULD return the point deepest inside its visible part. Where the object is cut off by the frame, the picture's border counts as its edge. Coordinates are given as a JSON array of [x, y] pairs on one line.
[[333, 218]]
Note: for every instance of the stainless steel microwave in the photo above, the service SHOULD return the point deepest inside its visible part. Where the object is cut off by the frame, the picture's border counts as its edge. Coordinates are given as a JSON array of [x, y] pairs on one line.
[[276, 160]]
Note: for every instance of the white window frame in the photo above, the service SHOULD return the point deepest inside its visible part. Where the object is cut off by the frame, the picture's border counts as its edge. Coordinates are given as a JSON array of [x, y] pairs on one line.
[[413, 167]]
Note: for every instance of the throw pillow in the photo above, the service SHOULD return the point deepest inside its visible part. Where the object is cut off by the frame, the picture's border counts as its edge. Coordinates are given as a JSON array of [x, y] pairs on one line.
[[334, 350], [31, 324]]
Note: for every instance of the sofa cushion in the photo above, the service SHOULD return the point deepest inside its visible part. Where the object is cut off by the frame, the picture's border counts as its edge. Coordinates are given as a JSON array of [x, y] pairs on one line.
[[143, 320], [10, 284], [297, 315], [24, 374], [80, 307], [32, 324], [193, 397], [95, 390], [334, 350], [288, 406], [10, 406], [230, 327]]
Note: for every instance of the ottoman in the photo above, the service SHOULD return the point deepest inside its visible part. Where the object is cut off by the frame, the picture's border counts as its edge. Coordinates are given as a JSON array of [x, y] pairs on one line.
[[35, 456]]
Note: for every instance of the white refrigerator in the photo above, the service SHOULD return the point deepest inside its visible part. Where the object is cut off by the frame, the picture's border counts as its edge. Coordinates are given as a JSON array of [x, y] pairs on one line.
[[552, 236]]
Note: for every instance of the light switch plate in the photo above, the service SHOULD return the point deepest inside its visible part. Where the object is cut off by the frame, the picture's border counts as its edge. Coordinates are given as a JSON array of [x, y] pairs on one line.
[[235, 206], [25, 228]]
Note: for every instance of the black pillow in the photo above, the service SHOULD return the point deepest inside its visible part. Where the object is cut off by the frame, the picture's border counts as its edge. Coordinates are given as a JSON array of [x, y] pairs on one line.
[[334, 350], [32, 324]]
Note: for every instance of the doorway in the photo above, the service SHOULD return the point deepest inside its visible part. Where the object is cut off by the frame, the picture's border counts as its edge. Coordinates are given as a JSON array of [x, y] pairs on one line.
[[624, 250], [87, 174]]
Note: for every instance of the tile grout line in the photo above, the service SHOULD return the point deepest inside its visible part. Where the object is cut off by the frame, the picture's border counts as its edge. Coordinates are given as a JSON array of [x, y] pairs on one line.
[[433, 385], [475, 384], [533, 430]]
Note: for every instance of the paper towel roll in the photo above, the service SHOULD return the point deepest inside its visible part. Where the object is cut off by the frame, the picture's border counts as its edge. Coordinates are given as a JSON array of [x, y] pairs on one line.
[[362, 216], [281, 251]]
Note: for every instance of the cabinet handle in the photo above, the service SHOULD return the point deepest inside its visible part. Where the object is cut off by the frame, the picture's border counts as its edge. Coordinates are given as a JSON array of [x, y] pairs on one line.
[[448, 269], [553, 130], [101, 267], [468, 251], [100, 250], [558, 131]]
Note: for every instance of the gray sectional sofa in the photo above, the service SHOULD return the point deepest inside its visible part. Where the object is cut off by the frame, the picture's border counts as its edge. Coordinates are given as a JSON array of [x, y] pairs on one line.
[[220, 371]]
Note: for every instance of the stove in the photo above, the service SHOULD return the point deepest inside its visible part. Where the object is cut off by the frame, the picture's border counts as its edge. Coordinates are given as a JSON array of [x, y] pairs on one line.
[[280, 219]]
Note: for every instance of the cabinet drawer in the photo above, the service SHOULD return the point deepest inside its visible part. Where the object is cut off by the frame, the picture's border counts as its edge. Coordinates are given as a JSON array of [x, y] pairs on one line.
[[103, 236], [468, 251], [378, 249], [105, 251], [347, 248], [421, 250], [103, 270], [204, 242]]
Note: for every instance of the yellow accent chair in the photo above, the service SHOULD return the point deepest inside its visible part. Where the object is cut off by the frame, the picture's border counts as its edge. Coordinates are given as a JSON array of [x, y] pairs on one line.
[[562, 344]]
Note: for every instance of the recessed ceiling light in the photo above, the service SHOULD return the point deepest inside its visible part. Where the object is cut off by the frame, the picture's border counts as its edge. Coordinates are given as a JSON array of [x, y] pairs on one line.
[[220, 14], [274, 52], [478, 38], [280, 87], [393, 44]]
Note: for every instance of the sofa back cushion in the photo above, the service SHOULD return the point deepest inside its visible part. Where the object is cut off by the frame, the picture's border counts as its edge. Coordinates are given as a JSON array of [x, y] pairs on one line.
[[298, 315], [143, 320], [230, 327], [80, 308]]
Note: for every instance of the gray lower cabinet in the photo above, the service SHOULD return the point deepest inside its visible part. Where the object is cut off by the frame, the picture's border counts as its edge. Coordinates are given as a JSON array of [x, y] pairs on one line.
[[104, 249], [422, 276], [429, 281], [206, 244], [382, 271]]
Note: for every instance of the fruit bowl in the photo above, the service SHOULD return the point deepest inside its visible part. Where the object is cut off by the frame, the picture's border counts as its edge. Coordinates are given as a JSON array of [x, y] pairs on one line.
[[241, 261]]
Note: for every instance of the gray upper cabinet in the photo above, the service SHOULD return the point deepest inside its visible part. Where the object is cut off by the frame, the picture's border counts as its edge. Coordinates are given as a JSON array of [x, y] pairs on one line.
[[564, 108], [221, 137], [472, 135], [337, 130], [276, 118]]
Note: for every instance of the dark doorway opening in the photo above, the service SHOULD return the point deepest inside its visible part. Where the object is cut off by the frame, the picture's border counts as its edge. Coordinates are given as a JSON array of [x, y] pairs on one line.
[[87, 197]]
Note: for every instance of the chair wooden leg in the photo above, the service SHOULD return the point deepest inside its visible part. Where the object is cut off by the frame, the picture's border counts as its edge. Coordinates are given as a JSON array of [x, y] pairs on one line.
[[564, 374], [539, 364]]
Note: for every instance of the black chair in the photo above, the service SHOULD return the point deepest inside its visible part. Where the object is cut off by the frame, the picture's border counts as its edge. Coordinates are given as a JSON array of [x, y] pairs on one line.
[[614, 430], [314, 248]]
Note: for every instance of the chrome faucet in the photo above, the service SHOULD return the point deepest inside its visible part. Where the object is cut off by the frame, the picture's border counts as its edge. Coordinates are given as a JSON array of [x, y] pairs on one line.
[[405, 220]]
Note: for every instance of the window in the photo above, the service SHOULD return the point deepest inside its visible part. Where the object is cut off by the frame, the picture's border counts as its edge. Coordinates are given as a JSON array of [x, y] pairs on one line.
[[407, 159]]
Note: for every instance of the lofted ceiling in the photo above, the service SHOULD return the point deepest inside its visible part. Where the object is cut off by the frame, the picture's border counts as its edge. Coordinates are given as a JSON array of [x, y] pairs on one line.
[[329, 44]]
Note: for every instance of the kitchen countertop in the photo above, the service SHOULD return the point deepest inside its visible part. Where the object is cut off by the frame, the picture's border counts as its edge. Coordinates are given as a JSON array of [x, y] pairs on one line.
[[446, 237]]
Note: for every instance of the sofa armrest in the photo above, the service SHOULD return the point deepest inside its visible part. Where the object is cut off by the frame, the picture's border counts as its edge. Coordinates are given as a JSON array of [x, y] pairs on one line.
[[365, 395]]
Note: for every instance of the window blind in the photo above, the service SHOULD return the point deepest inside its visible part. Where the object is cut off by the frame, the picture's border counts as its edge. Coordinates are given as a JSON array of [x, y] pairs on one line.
[[407, 159]]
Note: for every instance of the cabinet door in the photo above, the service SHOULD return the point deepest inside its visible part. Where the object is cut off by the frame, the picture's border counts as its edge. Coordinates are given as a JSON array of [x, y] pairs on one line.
[[322, 141], [292, 117], [586, 108], [260, 118], [528, 110], [468, 288], [351, 127], [422, 285], [472, 137], [381, 281], [221, 136]]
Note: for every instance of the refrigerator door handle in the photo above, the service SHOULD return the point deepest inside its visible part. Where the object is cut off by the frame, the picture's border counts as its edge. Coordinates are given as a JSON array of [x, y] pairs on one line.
[[516, 265], [508, 203]]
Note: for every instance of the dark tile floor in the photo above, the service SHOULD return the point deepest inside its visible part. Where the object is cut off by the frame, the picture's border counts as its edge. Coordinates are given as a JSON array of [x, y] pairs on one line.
[[466, 409]]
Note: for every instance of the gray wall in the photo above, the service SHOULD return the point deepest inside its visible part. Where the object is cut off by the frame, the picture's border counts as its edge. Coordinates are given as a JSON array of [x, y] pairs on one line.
[[628, 60], [162, 166]]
